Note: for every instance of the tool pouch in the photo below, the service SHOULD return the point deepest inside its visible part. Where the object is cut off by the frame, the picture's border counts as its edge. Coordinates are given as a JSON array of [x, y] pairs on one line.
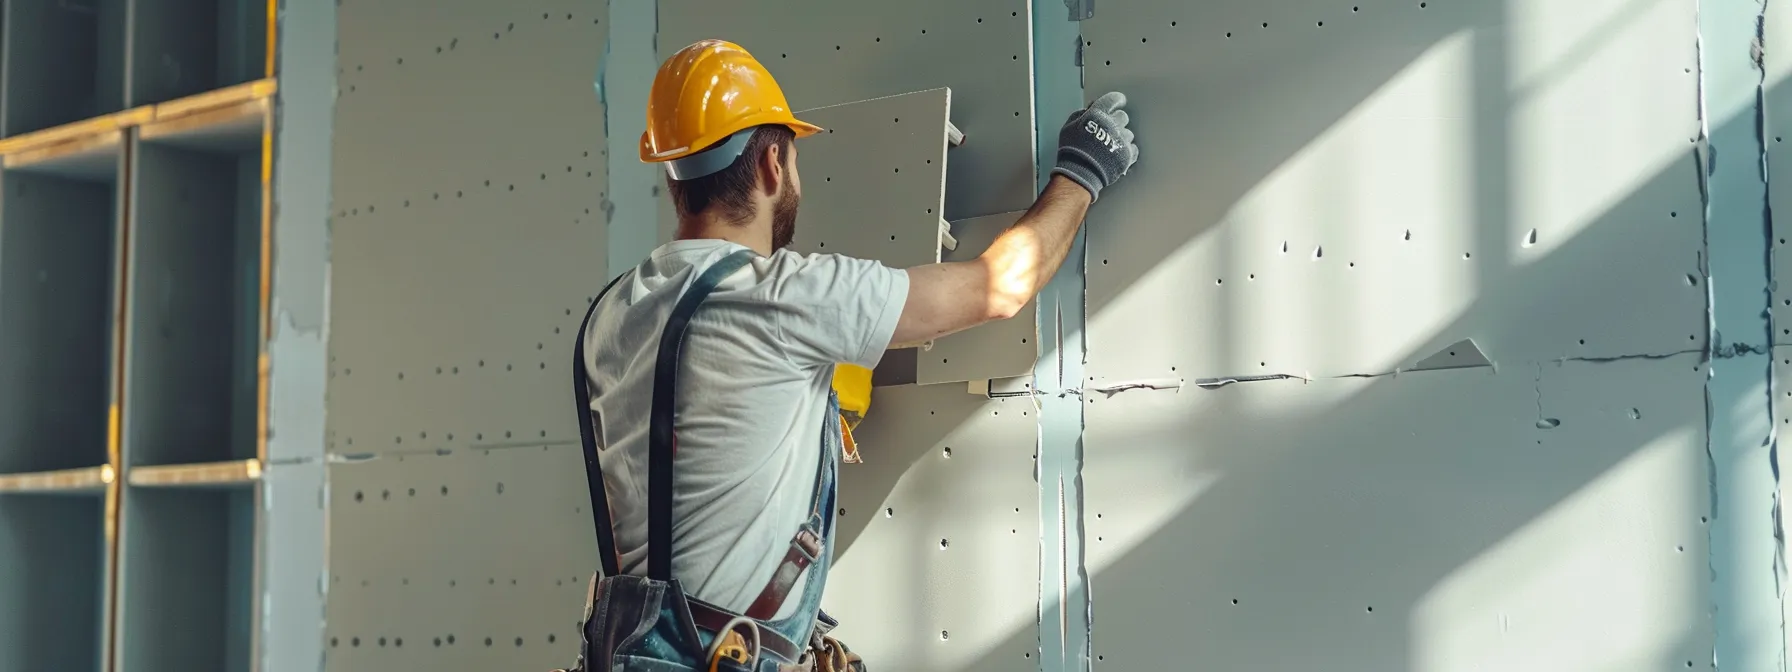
[[827, 654]]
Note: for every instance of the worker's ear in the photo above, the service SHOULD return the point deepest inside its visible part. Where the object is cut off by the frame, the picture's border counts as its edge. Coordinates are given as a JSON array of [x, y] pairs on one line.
[[771, 169]]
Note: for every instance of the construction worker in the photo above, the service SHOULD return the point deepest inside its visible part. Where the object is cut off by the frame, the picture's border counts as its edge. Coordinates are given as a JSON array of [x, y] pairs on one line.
[[703, 375]]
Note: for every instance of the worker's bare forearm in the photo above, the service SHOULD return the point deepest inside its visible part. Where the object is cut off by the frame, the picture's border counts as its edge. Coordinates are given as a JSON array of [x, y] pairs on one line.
[[1026, 256], [950, 297]]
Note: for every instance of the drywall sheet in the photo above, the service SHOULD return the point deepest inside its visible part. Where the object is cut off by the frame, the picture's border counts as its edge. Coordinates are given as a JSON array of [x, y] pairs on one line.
[[467, 236], [828, 53], [939, 534], [874, 181], [1544, 517], [466, 241], [437, 99], [1345, 188], [1776, 101], [470, 561], [1002, 349]]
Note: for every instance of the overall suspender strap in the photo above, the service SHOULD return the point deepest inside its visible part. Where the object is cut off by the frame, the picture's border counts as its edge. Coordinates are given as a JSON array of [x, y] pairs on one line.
[[805, 547], [662, 441], [594, 477]]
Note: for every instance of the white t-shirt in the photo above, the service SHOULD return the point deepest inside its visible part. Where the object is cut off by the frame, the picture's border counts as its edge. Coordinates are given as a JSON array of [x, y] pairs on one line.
[[753, 388]]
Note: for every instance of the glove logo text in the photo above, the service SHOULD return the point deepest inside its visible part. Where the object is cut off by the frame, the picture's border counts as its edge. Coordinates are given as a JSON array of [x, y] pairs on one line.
[[1102, 135]]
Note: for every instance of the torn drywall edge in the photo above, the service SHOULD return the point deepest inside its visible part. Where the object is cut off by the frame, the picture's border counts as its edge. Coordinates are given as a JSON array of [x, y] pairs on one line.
[[1064, 602], [1746, 542], [624, 79], [294, 538]]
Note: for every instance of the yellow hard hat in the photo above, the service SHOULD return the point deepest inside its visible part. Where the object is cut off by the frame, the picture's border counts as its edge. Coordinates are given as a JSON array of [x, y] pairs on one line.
[[710, 95]]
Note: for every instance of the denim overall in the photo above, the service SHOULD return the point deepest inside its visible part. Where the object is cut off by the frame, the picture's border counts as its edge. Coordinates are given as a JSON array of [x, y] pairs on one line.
[[648, 622]]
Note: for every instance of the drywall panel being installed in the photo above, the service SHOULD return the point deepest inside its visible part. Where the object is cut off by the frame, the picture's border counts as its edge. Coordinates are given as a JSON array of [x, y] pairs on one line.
[[828, 53], [469, 561], [468, 236], [1346, 188], [874, 181], [938, 554], [1544, 517]]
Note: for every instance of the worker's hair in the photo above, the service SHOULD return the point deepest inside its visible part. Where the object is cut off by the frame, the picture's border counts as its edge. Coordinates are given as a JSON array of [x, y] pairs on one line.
[[731, 188]]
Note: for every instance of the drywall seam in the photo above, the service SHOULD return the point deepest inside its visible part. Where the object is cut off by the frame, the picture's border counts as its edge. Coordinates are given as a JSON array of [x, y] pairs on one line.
[[1746, 546], [1065, 616], [624, 79], [291, 593]]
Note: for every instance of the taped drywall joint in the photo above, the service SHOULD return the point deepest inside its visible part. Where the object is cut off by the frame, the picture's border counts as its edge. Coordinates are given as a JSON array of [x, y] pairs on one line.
[[1080, 9], [1165, 384]]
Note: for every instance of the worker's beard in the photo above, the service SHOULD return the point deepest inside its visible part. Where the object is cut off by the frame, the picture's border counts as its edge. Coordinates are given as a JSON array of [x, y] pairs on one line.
[[784, 219]]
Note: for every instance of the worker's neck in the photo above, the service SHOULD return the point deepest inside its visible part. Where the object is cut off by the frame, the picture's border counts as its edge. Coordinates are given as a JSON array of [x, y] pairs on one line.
[[755, 233]]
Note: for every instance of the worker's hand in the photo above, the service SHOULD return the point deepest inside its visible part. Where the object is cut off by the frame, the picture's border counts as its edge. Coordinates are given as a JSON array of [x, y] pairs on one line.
[[1095, 147]]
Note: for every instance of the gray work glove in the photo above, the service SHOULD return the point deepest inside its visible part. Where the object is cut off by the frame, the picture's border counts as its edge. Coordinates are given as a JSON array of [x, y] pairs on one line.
[[1095, 147]]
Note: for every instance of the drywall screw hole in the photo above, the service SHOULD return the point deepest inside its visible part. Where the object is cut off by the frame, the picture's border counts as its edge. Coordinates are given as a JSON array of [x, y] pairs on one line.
[[1104, 262], [445, 494], [1235, 600], [1703, 520], [1219, 281], [1321, 24], [519, 641], [889, 513], [944, 544], [1228, 36], [1421, 5], [1110, 62], [1253, 276], [1356, 9], [1370, 609], [947, 452], [1583, 341], [1680, 549], [1143, 40], [1466, 255], [412, 492], [386, 494], [1265, 24], [550, 639], [488, 641], [358, 496], [945, 635], [1172, 24], [451, 639]]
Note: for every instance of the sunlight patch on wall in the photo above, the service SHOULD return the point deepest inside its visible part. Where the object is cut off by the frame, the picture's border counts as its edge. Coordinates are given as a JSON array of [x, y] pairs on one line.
[[1599, 582]]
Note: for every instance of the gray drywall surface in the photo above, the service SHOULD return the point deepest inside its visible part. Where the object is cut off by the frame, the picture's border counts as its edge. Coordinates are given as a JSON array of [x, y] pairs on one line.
[[466, 240], [1332, 195]]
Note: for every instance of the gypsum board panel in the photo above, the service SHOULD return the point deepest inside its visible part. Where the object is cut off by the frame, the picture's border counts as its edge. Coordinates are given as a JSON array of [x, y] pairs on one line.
[[874, 181]]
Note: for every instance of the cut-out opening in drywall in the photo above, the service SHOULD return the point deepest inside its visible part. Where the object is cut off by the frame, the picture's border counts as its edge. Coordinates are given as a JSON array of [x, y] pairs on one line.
[[187, 575], [194, 331], [64, 62], [183, 47], [52, 582], [57, 239]]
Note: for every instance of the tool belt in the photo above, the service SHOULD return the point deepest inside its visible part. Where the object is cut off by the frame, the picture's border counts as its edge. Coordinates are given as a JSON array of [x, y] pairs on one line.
[[651, 618]]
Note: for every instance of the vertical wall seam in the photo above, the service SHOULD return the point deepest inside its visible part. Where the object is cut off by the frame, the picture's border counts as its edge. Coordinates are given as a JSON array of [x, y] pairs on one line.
[[1065, 616], [294, 536], [625, 73], [1749, 621]]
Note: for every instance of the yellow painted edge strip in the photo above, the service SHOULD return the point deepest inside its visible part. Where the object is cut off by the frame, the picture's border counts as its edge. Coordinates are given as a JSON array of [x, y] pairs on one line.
[[265, 296], [230, 95], [273, 34], [213, 473], [73, 131], [86, 478], [40, 154]]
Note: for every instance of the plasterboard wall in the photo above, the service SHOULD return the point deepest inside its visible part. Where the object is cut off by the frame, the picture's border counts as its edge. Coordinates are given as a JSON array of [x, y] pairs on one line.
[[1343, 192], [1338, 190], [467, 238]]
